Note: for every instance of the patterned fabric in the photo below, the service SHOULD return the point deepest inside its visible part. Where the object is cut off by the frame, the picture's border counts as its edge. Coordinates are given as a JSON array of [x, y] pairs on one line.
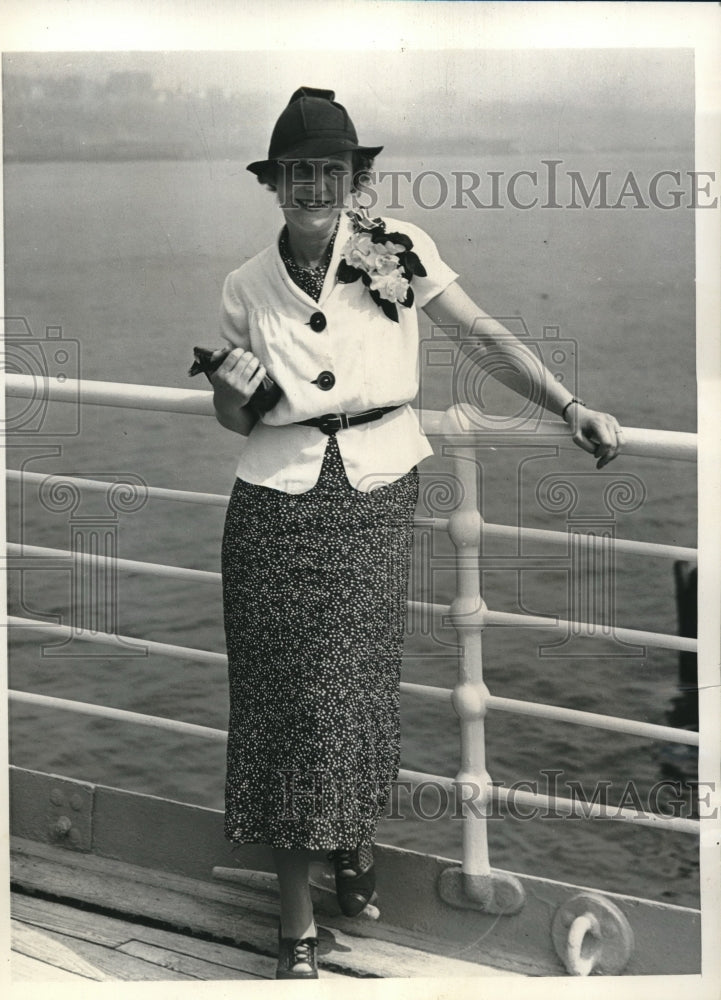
[[314, 596], [310, 279]]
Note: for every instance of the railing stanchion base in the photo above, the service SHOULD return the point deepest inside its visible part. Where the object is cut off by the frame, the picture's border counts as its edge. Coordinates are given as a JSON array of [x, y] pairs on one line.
[[498, 892]]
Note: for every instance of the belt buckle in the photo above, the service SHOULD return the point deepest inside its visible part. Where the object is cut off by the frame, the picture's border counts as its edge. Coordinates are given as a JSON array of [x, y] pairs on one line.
[[329, 423]]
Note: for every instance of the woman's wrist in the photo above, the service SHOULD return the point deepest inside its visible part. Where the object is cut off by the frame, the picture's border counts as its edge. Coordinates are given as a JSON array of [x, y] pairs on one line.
[[573, 402], [231, 414], [242, 421], [229, 398]]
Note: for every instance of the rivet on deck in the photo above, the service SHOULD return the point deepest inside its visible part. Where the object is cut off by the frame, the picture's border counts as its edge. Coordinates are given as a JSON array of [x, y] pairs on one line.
[[61, 827]]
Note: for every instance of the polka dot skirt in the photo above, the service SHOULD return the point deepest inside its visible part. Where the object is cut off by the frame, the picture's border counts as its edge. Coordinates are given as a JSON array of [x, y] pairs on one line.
[[314, 597]]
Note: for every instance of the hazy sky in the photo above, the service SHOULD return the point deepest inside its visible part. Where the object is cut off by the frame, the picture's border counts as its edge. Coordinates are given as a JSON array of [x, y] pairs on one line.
[[638, 78]]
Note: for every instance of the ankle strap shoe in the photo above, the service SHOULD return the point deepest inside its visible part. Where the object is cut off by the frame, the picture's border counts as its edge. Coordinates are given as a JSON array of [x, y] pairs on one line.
[[297, 957], [355, 878]]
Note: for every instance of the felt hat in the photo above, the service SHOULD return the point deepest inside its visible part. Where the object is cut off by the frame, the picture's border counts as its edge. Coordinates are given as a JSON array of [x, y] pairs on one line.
[[313, 125]]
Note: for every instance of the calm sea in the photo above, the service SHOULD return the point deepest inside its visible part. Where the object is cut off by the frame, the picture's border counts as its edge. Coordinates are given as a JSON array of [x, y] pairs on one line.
[[126, 261]]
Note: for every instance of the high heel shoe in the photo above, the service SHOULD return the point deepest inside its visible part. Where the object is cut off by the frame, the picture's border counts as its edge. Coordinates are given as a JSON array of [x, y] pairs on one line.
[[297, 957], [355, 878]]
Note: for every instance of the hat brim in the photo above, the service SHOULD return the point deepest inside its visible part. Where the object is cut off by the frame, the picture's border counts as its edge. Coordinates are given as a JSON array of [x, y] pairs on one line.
[[311, 149]]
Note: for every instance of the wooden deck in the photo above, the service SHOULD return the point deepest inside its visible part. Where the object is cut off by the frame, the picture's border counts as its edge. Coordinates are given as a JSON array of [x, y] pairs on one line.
[[56, 942]]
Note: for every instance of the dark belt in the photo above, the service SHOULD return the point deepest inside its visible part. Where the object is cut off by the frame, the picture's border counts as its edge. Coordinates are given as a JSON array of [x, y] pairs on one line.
[[329, 423]]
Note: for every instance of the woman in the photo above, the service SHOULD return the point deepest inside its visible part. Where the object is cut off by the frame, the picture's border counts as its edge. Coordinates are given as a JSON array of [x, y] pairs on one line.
[[319, 526]]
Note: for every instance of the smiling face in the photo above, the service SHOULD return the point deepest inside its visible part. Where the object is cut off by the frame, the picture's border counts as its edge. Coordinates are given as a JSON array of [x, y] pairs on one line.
[[312, 193]]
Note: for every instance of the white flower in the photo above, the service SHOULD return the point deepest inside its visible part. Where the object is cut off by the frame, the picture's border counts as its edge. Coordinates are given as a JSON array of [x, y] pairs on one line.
[[385, 263], [380, 258], [358, 252], [385, 259], [393, 287]]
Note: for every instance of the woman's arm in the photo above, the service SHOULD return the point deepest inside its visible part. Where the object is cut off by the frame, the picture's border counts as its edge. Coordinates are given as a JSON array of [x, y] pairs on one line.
[[234, 382], [594, 431]]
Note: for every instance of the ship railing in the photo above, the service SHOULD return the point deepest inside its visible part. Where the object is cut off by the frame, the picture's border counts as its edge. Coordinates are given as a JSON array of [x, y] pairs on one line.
[[467, 613]]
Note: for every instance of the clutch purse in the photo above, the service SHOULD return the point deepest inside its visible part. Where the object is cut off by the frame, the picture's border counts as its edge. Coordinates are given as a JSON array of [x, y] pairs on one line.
[[263, 399]]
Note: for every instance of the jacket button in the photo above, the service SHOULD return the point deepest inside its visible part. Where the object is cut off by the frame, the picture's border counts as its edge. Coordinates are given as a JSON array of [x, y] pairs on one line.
[[325, 381], [317, 322]]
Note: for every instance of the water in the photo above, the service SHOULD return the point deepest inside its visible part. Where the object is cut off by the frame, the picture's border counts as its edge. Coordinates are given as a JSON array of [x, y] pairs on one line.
[[129, 259]]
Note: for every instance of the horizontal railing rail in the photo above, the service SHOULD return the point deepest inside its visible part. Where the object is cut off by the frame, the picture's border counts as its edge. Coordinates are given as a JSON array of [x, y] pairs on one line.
[[549, 804], [559, 539], [128, 395], [119, 715], [462, 419], [467, 422], [23, 556], [101, 486], [481, 616], [126, 643]]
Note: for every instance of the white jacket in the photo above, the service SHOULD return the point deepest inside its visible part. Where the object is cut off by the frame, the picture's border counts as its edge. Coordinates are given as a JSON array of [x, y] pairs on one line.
[[372, 359]]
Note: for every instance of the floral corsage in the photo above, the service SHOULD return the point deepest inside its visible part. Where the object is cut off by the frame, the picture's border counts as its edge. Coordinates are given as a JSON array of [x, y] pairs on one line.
[[385, 262]]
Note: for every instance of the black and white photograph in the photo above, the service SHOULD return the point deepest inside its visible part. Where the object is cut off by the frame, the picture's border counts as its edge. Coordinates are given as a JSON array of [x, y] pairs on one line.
[[361, 367]]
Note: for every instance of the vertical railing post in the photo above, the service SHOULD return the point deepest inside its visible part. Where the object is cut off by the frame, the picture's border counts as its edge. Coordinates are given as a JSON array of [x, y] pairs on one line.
[[470, 692], [476, 885]]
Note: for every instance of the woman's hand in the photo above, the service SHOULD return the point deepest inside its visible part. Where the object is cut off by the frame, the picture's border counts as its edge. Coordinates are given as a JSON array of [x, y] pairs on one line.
[[234, 382], [238, 376], [596, 432]]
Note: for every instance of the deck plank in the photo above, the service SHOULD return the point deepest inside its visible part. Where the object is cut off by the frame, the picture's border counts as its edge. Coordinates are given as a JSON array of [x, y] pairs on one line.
[[224, 956], [114, 932], [189, 965], [210, 961], [207, 960], [24, 969], [46, 948], [111, 963], [56, 916]]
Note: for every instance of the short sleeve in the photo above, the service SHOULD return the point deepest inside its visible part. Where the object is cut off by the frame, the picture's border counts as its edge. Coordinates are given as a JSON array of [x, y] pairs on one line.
[[233, 315], [438, 274]]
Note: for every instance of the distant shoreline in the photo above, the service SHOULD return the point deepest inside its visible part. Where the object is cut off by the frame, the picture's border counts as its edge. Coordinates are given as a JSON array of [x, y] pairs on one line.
[[109, 156], [125, 154]]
